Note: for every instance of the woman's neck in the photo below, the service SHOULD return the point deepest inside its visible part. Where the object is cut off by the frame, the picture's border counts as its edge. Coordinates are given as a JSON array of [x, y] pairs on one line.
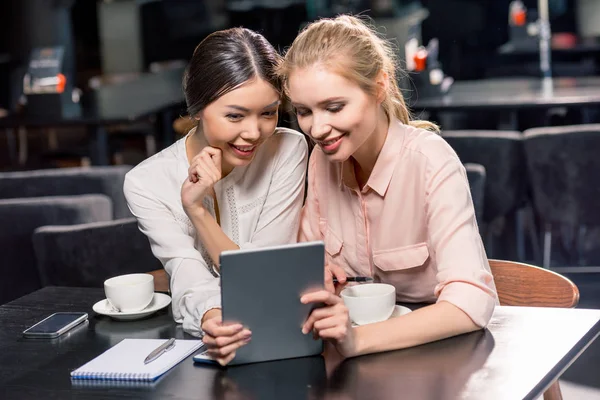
[[194, 144], [366, 155]]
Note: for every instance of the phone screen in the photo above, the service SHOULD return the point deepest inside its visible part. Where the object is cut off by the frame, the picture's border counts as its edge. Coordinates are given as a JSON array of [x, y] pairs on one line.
[[56, 322]]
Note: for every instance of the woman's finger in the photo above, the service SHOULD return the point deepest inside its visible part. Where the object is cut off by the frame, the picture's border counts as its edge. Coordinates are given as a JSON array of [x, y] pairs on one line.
[[321, 296], [209, 167], [338, 272], [209, 341], [223, 341], [192, 174], [338, 332], [331, 322], [204, 174], [230, 348], [215, 154], [214, 329], [329, 286], [224, 361], [322, 313]]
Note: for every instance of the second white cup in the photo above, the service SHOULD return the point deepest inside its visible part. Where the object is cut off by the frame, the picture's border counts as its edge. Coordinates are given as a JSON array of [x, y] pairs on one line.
[[370, 302]]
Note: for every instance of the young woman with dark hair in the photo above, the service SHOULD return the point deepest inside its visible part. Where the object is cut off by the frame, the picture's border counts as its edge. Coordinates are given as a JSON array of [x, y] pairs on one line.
[[234, 181]]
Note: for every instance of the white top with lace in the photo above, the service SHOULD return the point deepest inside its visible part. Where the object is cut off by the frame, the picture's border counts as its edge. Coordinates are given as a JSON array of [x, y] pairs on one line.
[[259, 206]]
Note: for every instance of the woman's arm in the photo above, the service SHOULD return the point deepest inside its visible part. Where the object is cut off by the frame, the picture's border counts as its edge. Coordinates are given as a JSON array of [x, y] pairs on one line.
[[210, 233], [428, 324], [194, 289]]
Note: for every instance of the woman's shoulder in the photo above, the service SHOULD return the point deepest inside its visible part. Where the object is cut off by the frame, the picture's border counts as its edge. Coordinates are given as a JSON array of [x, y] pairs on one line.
[[158, 169], [429, 145]]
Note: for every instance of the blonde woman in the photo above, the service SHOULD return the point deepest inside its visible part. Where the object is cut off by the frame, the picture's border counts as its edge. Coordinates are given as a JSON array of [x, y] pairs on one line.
[[386, 193]]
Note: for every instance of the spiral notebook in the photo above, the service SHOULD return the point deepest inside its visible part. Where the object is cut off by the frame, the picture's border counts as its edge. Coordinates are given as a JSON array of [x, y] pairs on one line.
[[125, 360]]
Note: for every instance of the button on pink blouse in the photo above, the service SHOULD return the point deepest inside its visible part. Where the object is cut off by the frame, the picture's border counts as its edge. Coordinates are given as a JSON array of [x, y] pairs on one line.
[[412, 225]]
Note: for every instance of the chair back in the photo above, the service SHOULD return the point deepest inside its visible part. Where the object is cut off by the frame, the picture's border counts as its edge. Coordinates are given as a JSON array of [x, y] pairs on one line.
[[86, 255], [69, 182], [18, 220], [563, 164], [501, 154], [520, 284]]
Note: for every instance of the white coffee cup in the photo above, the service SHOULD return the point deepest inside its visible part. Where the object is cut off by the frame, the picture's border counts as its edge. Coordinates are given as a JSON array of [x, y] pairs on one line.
[[370, 302], [129, 293]]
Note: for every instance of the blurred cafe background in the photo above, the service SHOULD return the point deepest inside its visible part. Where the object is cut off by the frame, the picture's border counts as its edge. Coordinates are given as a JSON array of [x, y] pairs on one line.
[[90, 88]]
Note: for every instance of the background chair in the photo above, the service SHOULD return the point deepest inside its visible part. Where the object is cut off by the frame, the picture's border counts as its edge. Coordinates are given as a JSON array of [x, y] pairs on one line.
[[20, 217], [476, 177], [501, 154], [563, 165], [69, 182], [525, 285], [88, 254]]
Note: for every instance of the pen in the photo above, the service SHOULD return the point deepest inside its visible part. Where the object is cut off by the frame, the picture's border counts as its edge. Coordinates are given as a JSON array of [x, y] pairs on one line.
[[160, 350], [356, 279]]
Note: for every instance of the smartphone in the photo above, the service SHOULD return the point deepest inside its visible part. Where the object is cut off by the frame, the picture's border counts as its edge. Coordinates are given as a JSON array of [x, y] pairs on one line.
[[202, 357], [55, 325]]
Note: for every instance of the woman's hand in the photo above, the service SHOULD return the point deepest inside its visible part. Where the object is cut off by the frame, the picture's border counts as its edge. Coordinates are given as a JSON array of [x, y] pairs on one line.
[[204, 172], [334, 271], [222, 340], [331, 322]]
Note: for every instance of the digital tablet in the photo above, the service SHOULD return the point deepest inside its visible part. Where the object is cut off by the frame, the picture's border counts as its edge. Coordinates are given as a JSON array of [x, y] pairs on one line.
[[261, 289]]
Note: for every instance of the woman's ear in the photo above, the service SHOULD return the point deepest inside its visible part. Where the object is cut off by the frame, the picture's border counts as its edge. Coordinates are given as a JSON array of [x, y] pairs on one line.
[[198, 116], [382, 82]]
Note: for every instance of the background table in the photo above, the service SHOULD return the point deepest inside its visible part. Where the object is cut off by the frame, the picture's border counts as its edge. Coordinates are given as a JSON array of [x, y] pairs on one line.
[[152, 94], [520, 354], [511, 93]]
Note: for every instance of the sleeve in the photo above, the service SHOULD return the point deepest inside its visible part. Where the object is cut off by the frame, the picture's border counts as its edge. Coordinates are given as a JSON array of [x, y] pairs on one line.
[[309, 219], [279, 219], [464, 277], [194, 288]]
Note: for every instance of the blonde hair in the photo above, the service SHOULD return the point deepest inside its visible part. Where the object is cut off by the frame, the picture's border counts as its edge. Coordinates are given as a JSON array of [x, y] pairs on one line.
[[352, 48]]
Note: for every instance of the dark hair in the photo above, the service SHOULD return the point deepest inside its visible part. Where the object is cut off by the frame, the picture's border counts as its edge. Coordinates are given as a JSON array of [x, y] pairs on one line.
[[223, 61]]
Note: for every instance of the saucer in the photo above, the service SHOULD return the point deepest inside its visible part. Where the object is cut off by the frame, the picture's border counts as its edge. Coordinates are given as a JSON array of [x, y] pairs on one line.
[[398, 311], [159, 301]]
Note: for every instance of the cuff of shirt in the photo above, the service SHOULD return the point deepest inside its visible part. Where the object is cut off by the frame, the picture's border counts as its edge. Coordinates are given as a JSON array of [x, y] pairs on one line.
[[474, 301], [194, 326]]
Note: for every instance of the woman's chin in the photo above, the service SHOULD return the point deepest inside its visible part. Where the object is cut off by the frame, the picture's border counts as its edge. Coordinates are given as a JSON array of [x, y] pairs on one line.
[[338, 157], [237, 161]]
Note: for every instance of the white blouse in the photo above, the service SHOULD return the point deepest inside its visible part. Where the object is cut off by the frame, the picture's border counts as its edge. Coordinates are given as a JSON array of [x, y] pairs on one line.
[[259, 206]]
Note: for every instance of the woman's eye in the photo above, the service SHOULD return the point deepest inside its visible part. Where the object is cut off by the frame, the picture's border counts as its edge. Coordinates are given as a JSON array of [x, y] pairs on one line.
[[301, 112], [270, 113], [335, 108], [234, 117]]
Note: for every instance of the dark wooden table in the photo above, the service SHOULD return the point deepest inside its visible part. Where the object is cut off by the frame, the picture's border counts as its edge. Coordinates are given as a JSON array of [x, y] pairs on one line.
[[153, 94], [520, 354]]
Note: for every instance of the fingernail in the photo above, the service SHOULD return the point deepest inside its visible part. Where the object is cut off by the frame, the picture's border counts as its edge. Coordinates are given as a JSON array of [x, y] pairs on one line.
[[247, 340], [247, 334], [304, 331], [238, 327], [302, 300]]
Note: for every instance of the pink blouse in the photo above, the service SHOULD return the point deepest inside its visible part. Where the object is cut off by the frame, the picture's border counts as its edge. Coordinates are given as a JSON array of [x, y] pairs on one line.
[[412, 225]]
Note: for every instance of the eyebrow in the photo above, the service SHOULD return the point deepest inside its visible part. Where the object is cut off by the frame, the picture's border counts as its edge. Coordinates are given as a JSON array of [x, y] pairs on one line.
[[322, 102], [244, 109]]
